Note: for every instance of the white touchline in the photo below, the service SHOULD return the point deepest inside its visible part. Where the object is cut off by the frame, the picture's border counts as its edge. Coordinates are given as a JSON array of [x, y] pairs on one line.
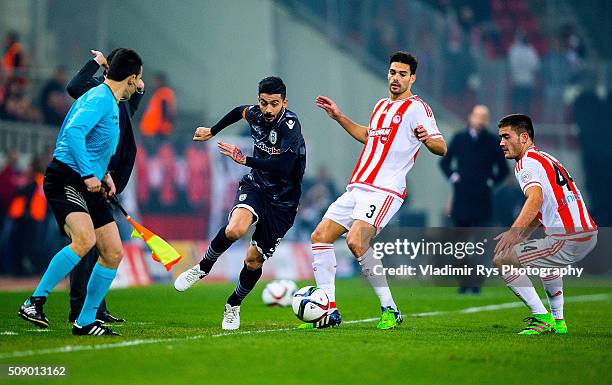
[[469, 310]]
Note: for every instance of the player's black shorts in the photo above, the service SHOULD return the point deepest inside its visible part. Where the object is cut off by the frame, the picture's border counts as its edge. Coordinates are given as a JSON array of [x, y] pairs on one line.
[[271, 222], [66, 193]]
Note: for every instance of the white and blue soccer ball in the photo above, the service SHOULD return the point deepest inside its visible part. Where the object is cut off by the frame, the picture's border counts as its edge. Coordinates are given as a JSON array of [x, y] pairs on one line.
[[279, 293], [310, 304]]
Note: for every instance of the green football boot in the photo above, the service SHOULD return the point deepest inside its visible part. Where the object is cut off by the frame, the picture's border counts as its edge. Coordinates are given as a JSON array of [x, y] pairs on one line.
[[560, 326], [539, 324], [389, 318]]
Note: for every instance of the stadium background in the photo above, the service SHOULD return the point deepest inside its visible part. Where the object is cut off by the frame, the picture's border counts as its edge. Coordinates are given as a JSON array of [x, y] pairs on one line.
[[213, 57]]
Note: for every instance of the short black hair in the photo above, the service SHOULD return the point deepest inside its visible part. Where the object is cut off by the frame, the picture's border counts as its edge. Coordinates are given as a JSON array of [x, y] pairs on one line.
[[406, 58], [110, 57], [519, 123], [273, 85], [125, 62], [112, 54]]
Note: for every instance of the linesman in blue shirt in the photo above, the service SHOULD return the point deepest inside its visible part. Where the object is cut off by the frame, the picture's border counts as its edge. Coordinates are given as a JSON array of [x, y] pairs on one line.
[[86, 141]]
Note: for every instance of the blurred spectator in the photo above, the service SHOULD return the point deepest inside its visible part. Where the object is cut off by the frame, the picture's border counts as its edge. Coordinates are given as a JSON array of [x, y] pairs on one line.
[[575, 51], [158, 119], [17, 105], [13, 59], [457, 53], [28, 214], [318, 193], [524, 63], [555, 75], [2, 87], [53, 100], [384, 36], [591, 110], [198, 170], [474, 163], [9, 180], [466, 18]]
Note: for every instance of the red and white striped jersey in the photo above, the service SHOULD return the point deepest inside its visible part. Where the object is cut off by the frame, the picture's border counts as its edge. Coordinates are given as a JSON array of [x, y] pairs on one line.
[[564, 213], [392, 146]]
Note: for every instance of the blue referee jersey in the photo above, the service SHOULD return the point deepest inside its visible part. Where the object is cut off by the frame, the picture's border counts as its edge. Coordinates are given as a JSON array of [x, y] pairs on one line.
[[90, 133]]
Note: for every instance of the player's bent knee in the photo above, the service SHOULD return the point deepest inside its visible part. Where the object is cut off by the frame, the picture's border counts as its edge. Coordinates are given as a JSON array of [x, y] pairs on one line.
[[318, 235], [327, 231], [253, 265], [112, 258], [83, 242], [253, 262], [234, 232], [355, 245]]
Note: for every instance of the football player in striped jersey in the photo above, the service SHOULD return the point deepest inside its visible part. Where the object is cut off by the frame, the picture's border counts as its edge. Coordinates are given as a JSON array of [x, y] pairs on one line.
[[553, 201], [398, 126]]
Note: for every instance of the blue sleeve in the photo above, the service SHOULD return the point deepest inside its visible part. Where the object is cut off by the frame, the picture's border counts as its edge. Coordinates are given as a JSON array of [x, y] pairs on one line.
[[80, 124]]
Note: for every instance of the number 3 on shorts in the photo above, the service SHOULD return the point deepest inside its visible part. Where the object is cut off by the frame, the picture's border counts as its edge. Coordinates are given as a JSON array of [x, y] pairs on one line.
[[372, 210]]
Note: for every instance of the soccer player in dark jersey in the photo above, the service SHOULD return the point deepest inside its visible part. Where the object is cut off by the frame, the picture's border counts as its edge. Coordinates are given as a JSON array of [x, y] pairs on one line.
[[267, 197]]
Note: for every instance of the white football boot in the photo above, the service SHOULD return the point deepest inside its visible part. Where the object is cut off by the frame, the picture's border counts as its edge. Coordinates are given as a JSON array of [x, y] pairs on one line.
[[231, 317], [187, 278]]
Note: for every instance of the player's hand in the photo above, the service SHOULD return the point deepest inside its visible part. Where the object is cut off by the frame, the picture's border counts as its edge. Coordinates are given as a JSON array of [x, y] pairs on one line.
[[110, 188], [100, 59], [421, 134], [508, 239], [329, 106], [93, 184], [232, 151], [202, 134]]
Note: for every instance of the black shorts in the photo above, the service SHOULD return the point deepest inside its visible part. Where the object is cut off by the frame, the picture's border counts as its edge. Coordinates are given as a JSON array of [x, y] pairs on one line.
[[66, 193], [271, 223]]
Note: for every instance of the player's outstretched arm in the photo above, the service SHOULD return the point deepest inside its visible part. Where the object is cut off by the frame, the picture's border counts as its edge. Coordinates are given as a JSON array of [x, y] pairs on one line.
[[203, 134], [84, 80], [357, 131], [435, 145]]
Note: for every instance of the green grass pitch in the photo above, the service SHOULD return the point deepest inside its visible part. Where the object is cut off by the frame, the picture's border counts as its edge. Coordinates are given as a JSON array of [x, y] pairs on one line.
[[175, 338]]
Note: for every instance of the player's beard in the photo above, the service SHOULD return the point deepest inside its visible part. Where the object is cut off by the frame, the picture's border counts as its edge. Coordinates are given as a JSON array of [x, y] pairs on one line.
[[512, 153], [399, 90]]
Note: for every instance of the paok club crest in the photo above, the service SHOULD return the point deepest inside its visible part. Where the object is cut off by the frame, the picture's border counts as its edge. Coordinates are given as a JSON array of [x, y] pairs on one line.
[[273, 137]]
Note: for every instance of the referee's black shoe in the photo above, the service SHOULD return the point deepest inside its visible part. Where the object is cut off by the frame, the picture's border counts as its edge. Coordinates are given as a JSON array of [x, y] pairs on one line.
[[107, 317], [33, 312], [102, 316], [93, 329]]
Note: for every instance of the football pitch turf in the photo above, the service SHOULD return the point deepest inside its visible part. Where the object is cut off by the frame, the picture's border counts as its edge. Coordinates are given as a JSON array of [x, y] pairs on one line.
[[175, 338]]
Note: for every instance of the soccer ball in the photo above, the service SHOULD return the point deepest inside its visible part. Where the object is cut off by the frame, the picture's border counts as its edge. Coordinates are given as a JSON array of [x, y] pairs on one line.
[[310, 304], [279, 293]]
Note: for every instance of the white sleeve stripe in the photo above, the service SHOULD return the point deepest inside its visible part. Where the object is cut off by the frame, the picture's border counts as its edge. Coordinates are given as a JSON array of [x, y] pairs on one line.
[[532, 182]]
